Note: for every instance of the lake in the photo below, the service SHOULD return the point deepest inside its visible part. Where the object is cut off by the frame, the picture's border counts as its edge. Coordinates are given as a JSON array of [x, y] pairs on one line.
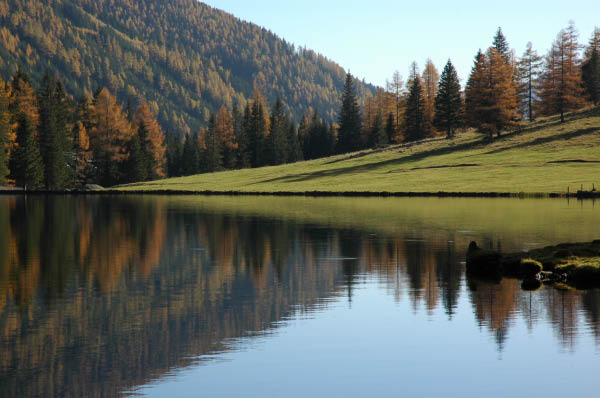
[[186, 296]]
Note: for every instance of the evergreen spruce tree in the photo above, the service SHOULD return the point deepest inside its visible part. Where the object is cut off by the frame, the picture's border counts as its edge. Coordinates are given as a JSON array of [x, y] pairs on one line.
[[256, 134], [350, 123], [244, 150], [304, 137], [277, 142], [448, 103], [174, 154], [135, 166], [414, 114], [54, 134], [27, 167], [591, 76], [149, 161], [4, 132], [213, 156], [501, 45], [377, 135], [190, 159], [294, 152], [390, 129]]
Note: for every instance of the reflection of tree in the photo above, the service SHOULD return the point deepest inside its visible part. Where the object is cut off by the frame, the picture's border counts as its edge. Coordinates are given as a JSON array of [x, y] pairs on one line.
[[170, 286], [562, 307], [591, 303], [350, 247], [449, 271], [494, 304], [101, 294]]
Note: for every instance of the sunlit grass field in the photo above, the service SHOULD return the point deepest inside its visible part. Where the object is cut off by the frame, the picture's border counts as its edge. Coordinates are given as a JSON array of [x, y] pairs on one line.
[[543, 157]]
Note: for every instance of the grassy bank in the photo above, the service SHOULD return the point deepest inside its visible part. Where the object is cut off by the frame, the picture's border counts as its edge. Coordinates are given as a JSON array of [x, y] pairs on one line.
[[543, 157]]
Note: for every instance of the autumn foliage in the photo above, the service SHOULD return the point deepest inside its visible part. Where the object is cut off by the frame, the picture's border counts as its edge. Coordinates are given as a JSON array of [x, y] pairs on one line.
[[49, 141]]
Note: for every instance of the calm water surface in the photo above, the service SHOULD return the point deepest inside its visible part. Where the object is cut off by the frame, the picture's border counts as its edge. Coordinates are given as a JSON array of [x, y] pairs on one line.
[[287, 297]]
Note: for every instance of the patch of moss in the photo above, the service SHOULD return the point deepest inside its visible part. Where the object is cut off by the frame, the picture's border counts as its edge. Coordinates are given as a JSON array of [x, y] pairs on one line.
[[529, 268]]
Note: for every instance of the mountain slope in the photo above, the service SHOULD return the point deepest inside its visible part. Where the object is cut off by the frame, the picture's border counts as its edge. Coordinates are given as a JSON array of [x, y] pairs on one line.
[[546, 156], [183, 57]]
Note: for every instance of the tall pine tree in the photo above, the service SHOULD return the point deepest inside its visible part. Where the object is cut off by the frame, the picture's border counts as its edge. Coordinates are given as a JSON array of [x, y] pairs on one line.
[[257, 130], [244, 148], [213, 155], [278, 142], [414, 116], [501, 45], [135, 165], [54, 134], [591, 69], [448, 103], [390, 128], [141, 165], [350, 123], [27, 167], [294, 151], [190, 159]]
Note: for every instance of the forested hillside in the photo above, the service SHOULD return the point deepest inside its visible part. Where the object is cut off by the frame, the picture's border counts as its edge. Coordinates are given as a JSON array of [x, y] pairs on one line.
[[182, 57]]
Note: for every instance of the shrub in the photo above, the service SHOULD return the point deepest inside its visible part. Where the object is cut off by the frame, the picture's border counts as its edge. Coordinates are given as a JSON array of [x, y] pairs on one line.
[[530, 267]]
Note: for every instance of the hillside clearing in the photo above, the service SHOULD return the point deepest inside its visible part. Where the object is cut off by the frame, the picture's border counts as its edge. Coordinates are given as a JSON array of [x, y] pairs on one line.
[[543, 157]]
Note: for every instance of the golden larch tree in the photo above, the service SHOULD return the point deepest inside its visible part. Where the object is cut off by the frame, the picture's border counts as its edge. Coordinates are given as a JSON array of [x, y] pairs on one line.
[[225, 129], [491, 94], [561, 84], [110, 133], [144, 116], [22, 100], [431, 79]]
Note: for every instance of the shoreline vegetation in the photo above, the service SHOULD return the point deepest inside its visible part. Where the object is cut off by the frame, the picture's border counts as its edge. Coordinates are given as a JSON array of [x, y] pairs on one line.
[[357, 194], [566, 265]]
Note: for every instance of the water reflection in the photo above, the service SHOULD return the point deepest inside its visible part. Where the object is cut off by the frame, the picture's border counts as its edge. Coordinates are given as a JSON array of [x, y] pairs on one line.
[[102, 294]]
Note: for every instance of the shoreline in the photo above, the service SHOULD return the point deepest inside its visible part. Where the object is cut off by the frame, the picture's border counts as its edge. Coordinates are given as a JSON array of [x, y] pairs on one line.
[[359, 194]]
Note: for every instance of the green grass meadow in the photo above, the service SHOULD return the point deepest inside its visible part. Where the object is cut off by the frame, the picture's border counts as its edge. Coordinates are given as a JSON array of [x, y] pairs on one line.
[[543, 157]]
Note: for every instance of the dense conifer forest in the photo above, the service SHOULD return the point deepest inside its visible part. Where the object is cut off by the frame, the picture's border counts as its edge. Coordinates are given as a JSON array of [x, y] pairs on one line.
[[183, 57]]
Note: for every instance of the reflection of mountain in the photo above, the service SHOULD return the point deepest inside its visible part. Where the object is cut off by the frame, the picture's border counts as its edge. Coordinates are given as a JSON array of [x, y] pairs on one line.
[[105, 293]]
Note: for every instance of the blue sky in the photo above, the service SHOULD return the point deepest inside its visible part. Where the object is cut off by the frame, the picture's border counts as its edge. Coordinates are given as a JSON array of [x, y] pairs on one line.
[[374, 38]]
